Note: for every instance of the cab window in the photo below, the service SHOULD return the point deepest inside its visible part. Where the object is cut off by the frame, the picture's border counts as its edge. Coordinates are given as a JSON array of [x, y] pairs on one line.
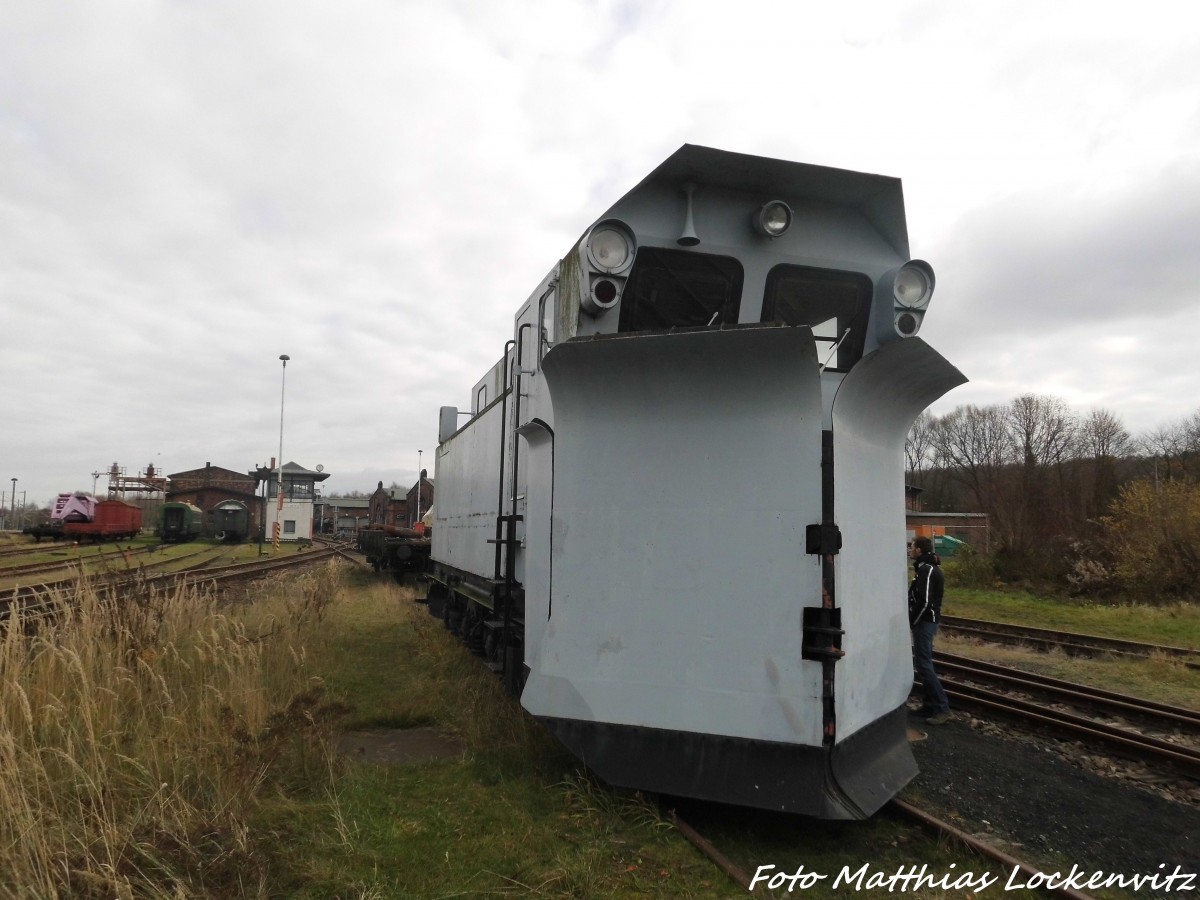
[[677, 289], [834, 304]]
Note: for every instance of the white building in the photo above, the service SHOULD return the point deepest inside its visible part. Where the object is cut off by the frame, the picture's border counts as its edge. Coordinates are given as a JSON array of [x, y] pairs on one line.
[[295, 513]]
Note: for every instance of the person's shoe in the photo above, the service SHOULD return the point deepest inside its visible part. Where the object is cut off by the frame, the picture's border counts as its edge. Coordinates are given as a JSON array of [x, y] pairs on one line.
[[940, 718]]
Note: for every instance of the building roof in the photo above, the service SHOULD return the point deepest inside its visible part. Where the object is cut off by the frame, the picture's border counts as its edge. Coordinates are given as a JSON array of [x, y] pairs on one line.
[[210, 471], [266, 473], [912, 514], [346, 502]]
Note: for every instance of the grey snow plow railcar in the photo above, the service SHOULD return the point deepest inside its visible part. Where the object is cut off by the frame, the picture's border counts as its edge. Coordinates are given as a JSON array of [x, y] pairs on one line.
[[673, 520]]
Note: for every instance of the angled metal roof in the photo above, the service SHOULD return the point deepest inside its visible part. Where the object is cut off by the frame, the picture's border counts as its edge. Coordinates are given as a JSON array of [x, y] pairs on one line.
[[880, 197]]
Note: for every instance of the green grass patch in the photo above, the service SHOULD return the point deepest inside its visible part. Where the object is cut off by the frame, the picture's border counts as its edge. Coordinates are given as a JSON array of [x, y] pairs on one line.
[[513, 817], [1176, 625], [176, 746], [516, 816]]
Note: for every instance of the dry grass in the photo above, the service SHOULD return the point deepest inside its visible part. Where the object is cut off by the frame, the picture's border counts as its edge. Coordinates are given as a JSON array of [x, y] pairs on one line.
[[136, 739]]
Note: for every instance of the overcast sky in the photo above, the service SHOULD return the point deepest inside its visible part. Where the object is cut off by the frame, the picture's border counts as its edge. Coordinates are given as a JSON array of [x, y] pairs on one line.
[[189, 189]]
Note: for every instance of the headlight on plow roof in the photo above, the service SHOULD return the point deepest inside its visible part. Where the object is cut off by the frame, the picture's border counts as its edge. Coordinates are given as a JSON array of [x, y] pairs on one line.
[[912, 285], [610, 247], [773, 219]]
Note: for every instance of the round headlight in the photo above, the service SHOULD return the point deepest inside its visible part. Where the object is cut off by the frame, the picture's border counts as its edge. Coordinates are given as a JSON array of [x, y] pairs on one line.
[[913, 285], [610, 249], [773, 219]]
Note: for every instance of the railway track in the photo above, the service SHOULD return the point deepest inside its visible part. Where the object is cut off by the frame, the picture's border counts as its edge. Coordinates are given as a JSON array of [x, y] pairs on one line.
[[770, 884], [1070, 642], [35, 600], [69, 560], [1167, 735], [107, 567], [17, 550]]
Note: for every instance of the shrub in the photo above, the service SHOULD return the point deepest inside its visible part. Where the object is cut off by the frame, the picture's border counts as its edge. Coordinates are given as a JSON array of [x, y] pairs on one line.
[[970, 568], [1153, 538]]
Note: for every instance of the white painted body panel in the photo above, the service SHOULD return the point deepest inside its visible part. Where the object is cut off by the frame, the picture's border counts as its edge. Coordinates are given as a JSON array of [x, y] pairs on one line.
[[873, 410], [466, 472], [678, 585]]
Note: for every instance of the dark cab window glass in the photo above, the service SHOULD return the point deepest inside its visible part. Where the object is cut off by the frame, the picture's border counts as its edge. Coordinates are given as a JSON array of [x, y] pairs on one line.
[[827, 301], [677, 289]]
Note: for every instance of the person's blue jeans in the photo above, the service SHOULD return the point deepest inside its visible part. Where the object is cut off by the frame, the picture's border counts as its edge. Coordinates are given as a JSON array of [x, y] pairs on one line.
[[935, 697]]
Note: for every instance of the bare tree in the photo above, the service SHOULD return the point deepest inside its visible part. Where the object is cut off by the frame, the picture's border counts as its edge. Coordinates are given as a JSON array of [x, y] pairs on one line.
[[1103, 439], [975, 445], [919, 446], [1169, 443], [1191, 436], [1044, 429], [1103, 435]]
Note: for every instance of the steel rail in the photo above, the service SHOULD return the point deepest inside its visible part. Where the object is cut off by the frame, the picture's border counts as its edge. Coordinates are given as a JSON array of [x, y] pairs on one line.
[[62, 567], [22, 549], [1162, 714], [252, 567], [1068, 640], [942, 828], [1142, 747], [905, 810], [28, 595], [697, 840], [33, 600], [54, 564]]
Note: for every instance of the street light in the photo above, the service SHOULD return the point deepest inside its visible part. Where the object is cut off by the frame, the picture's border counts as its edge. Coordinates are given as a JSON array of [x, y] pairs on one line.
[[279, 487], [418, 518], [14, 499]]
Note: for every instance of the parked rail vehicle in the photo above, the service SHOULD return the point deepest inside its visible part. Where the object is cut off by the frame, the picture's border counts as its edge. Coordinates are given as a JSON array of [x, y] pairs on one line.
[[68, 507], [673, 519], [112, 520], [391, 548], [73, 507], [230, 521], [180, 522]]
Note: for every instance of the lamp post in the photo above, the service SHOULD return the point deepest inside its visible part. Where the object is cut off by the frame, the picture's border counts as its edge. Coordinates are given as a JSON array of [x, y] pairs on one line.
[[14, 499], [279, 485]]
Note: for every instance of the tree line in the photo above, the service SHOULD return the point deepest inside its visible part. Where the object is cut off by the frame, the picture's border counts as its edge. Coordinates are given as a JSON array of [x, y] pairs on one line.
[[1070, 496]]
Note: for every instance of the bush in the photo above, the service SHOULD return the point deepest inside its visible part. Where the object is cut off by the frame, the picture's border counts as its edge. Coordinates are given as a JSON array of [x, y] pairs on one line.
[[1152, 538], [970, 568]]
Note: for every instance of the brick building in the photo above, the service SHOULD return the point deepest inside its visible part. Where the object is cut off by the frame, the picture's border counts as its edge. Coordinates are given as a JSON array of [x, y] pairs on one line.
[[341, 515], [970, 528], [211, 485], [416, 505], [388, 506]]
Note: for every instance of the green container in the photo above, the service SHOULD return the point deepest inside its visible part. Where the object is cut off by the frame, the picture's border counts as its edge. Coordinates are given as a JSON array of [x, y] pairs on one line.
[[946, 546]]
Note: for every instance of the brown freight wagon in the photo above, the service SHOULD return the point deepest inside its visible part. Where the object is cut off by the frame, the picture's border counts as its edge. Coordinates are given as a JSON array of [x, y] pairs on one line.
[[114, 520]]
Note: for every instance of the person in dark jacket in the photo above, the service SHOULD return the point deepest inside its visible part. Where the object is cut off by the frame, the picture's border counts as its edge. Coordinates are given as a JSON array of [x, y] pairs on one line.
[[924, 615]]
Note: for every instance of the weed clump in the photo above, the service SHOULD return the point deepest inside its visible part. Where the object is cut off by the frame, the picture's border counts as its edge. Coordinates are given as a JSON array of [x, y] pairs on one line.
[[138, 735]]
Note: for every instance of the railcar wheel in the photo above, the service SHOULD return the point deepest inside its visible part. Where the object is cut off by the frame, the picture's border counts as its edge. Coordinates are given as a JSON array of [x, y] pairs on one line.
[[454, 613]]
